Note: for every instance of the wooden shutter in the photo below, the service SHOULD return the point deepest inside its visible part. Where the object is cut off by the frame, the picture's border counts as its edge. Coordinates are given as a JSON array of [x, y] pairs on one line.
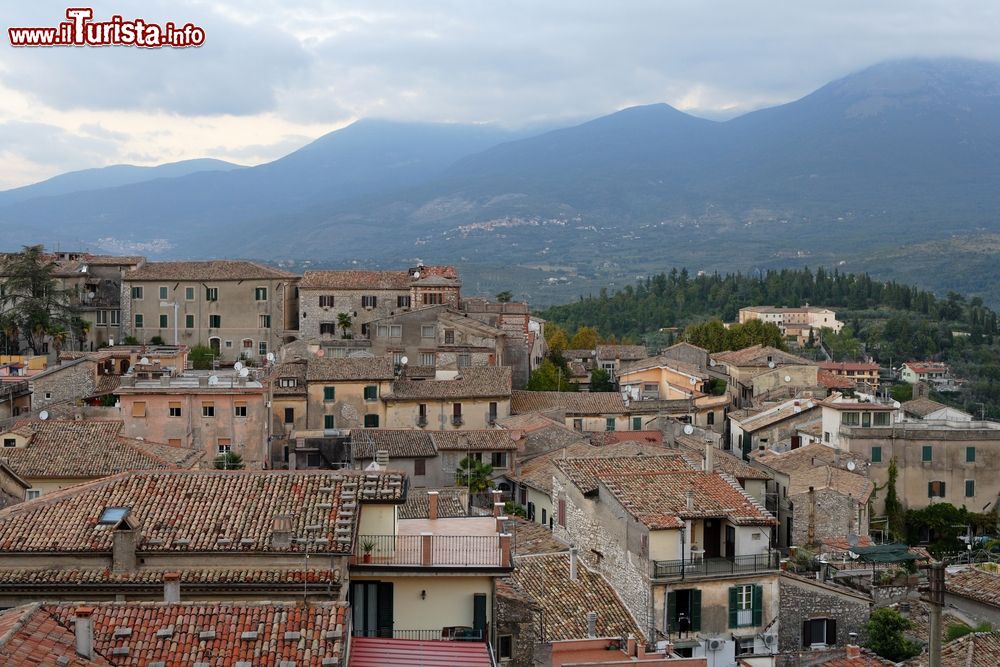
[[806, 633], [384, 613], [139, 409], [562, 512], [479, 613], [419, 466], [733, 623], [831, 632], [696, 610], [671, 611], [758, 605]]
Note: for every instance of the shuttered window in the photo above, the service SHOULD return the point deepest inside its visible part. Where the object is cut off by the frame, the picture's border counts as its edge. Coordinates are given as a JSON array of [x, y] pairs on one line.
[[746, 607], [139, 409], [562, 513]]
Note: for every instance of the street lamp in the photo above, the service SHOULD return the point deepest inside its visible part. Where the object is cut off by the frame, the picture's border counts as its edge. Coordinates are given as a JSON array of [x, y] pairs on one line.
[[167, 304]]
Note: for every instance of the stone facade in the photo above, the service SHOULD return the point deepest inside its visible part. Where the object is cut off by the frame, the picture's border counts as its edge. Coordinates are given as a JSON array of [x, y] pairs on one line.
[[804, 599], [517, 618], [70, 381], [823, 514]]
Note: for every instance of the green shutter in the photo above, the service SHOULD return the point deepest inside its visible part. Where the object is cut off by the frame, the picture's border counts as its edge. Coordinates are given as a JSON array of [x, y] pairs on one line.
[[696, 610], [328, 393], [371, 393], [876, 454], [732, 607], [327, 421], [758, 605], [636, 423], [970, 488], [385, 609], [671, 610], [970, 454], [926, 454]]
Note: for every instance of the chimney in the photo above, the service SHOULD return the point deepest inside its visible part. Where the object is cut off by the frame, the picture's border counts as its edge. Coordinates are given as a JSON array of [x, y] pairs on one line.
[[836, 457], [690, 499], [591, 624], [572, 563], [709, 456], [124, 538], [84, 631], [164, 380], [281, 531], [172, 587], [853, 650], [432, 505], [382, 458]]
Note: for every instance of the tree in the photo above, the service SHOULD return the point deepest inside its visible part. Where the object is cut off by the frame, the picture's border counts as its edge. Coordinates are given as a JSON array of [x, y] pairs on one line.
[[550, 377], [885, 635], [344, 322], [58, 335], [474, 475], [229, 461], [600, 380], [585, 338], [201, 357], [32, 297], [505, 296], [901, 392], [80, 328], [893, 508], [556, 339]]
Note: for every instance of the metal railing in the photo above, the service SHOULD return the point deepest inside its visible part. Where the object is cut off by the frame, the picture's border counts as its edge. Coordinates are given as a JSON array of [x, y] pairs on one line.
[[445, 634], [716, 567], [430, 550]]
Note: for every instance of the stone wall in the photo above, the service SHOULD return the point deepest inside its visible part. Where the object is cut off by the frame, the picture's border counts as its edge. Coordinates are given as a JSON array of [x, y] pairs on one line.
[[822, 514], [802, 600], [516, 618], [67, 383]]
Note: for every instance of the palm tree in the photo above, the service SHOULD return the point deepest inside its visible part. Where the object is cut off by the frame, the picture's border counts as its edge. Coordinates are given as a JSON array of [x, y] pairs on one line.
[[344, 322], [475, 476], [59, 336], [229, 461], [82, 329], [11, 330]]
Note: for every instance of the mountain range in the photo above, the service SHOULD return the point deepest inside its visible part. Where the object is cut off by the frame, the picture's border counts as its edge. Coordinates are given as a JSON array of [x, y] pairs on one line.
[[901, 154]]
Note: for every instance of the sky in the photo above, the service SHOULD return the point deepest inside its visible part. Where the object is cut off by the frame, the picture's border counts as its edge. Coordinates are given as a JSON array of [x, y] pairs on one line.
[[273, 76]]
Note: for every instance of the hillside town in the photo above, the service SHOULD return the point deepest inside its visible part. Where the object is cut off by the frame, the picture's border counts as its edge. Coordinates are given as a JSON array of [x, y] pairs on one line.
[[223, 463]]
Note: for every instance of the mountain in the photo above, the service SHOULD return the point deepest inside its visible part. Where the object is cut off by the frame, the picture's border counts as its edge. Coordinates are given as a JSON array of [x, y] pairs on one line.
[[110, 177], [901, 153]]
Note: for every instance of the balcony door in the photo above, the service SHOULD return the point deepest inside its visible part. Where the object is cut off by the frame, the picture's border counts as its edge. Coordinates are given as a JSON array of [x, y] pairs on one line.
[[730, 542], [713, 537], [371, 607]]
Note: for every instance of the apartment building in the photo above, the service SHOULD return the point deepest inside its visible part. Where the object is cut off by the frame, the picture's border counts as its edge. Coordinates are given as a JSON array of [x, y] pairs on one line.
[[865, 375], [237, 308], [795, 322], [756, 372], [471, 399], [94, 284], [345, 393], [583, 411]]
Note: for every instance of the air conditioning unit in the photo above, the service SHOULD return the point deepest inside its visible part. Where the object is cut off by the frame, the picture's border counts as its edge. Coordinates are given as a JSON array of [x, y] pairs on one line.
[[715, 644], [770, 639]]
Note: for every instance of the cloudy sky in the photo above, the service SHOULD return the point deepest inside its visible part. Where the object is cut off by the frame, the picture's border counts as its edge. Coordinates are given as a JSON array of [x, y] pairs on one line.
[[274, 75]]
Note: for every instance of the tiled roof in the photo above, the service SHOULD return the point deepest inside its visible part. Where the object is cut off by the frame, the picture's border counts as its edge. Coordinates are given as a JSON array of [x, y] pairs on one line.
[[537, 472], [106, 384], [564, 603], [344, 280], [579, 354], [724, 461], [976, 584], [659, 499], [977, 649], [922, 406], [18, 578], [622, 352], [847, 366], [217, 511], [379, 652], [478, 382], [343, 369], [573, 402], [398, 443], [830, 477], [481, 440], [776, 414], [831, 381], [927, 366], [534, 538], [214, 269], [452, 503], [211, 634], [865, 658], [584, 472], [74, 448], [805, 457], [292, 369], [757, 355], [662, 362], [112, 260], [30, 635], [602, 438]]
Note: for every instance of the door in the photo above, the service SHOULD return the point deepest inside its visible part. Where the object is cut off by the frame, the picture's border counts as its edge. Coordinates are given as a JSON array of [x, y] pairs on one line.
[[713, 537], [730, 542], [216, 345], [371, 609]]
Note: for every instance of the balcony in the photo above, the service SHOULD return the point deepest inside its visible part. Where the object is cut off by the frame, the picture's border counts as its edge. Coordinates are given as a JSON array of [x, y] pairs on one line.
[[427, 550], [716, 567], [422, 421], [457, 420]]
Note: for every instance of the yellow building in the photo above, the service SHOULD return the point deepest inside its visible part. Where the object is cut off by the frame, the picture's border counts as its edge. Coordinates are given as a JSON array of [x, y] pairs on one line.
[[470, 399], [346, 392]]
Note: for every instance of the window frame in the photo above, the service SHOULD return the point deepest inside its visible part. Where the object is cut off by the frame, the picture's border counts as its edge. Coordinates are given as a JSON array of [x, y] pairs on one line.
[[208, 409], [189, 321], [260, 294], [136, 292], [215, 321], [211, 293], [164, 292]]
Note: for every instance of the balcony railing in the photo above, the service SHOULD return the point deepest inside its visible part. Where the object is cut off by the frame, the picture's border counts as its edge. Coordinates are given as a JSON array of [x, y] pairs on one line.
[[433, 550], [445, 634], [716, 567]]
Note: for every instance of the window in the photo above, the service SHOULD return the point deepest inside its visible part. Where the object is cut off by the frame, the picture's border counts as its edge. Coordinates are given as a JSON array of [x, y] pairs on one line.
[[636, 423], [215, 321], [427, 359], [464, 360], [433, 299], [211, 293], [240, 409], [577, 424], [247, 344], [9, 442], [395, 331], [882, 419], [826, 436], [326, 301], [207, 409], [609, 423], [164, 293], [286, 382], [328, 328], [102, 318], [371, 421], [116, 317], [422, 414], [262, 348], [561, 512], [225, 446], [137, 292], [329, 393], [745, 608], [876, 455], [403, 301], [419, 466], [449, 336], [505, 647], [371, 393], [189, 321], [492, 415], [289, 415], [970, 454], [31, 494], [139, 409], [365, 329], [369, 301], [265, 322], [970, 488], [138, 320], [260, 294], [866, 419], [427, 331], [710, 418], [935, 489], [819, 631], [328, 422], [456, 413], [927, 453], [164, 322], [189, 294], [684, 610], [498, 459], [382, 331], [746, 645], [174, 409], [850, 418]]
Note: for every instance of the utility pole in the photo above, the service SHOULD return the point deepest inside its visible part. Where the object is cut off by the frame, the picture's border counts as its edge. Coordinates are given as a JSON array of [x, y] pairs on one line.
[[935, 600]]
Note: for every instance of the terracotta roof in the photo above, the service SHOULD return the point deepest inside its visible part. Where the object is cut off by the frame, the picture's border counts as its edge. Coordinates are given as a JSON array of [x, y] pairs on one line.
[[830, 477], [922, 406], [724, 461], [30, 635], [663, 362], [398, 443], [579, 354], [865, 658], [183, 633], [778, 413], [216, 511], [106, 384], [805, 457], [292, 369], [480, 440], [452, 503], [112, 260], [757, 355], [477, 382], [573, 402], [584, 472], [379, 652], [564, 603], [976, 584], [622, 352], [977, 649], [927, 366], [831, 381], [603, 438], [379, 280], [18, 578], [853, 404], [534, 538], [345, 369], [213, 269], [75, 448], [537, 472], [848, 366]]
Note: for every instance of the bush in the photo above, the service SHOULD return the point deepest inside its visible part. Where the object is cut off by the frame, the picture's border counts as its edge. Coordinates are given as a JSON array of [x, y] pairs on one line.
[[885, 635], [511, 508], [156, 340], [201, 357], [130, 340]]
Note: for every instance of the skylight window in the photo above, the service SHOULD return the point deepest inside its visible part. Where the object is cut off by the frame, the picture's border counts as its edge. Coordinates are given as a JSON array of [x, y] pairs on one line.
[[113, 515]]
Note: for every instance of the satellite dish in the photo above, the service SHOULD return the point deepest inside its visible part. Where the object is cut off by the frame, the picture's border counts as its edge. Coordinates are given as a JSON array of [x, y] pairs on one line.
[[770, 364], [213, 380], [694, 380], [91, 295], [852, 539], [238, 366], [404, 360], [270, 357], [711, 362], [896, 404], [788, 378], [851, 465], [43, 415], [144, 361], [688, 429], [244, 372], [416, 274]]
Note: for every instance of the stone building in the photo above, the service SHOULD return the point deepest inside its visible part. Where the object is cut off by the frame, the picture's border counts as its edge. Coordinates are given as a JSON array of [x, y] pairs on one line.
[[237, 308], [346, 393], [94, 284], [471, 399], [524, 343], [757, 371], [583, 411], [772, 427], [820, 614]]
